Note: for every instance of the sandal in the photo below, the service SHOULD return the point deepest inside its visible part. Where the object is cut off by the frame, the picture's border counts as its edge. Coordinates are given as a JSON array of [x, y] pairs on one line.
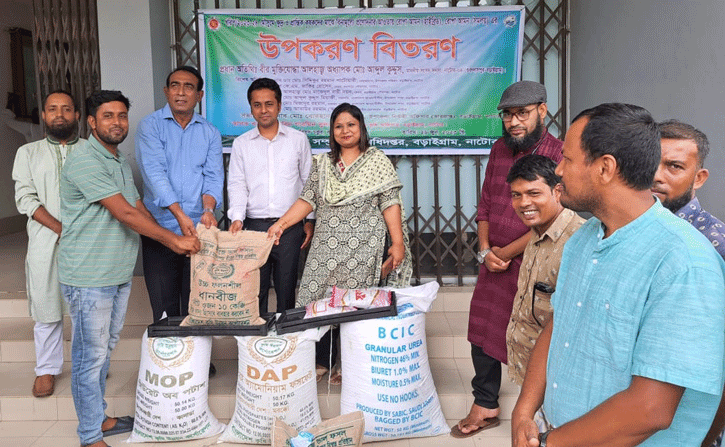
[[485, 424], [336, 378], [124, 424], [320, 371]]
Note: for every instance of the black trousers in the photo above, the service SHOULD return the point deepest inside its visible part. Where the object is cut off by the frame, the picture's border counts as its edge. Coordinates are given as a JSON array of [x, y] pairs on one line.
[[322, 348], [167, 277], [487, 380], [281, 265]]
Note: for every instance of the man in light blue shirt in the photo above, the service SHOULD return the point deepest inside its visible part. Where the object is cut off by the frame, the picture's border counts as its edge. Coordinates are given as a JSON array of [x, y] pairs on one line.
[[634, 353], [179, 155]]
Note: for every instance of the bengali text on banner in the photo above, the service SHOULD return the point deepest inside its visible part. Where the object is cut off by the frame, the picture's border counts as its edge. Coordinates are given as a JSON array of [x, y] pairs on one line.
[[428, 82]]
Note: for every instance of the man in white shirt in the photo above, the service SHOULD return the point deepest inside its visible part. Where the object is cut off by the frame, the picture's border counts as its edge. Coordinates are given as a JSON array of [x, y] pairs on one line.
[[268, 168], [36, 173]]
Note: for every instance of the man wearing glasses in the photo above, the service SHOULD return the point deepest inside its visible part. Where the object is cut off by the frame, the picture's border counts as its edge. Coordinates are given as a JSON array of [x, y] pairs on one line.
[[502, 237]]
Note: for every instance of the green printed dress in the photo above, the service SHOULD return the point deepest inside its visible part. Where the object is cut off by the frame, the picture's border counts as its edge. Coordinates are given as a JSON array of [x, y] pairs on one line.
[[350, 232]]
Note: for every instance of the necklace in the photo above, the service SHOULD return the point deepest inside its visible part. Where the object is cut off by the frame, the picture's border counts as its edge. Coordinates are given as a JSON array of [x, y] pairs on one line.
[[349, 157]]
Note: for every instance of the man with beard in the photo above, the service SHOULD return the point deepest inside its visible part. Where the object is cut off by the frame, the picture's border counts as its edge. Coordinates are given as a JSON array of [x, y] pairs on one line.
[[634, 352], [681, 172], [97, 254], [36, 173], [502, 237]]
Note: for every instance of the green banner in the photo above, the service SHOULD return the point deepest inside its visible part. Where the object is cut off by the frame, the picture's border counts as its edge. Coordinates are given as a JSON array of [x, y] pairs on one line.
[[428, 81]]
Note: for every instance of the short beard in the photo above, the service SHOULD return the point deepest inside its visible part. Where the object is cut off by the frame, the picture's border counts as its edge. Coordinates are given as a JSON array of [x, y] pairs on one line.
[[62, 132], [589, 203], [526, 142], [108, 139], [677, 203]]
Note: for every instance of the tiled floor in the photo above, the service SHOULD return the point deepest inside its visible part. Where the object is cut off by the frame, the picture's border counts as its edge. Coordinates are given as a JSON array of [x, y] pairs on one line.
[[54, 423], [62, 434]]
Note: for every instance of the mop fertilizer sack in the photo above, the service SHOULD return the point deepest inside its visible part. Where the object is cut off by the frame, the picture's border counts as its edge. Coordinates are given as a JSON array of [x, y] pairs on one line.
[[172, 391]]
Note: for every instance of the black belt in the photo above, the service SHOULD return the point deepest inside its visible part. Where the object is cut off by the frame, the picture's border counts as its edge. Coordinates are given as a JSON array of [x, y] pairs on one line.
[[266, 219]]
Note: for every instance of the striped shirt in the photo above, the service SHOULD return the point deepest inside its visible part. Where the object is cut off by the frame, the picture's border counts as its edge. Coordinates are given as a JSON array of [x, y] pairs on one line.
[[96, 250]]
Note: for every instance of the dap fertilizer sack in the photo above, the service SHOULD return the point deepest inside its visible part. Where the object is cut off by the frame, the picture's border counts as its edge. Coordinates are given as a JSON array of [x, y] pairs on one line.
[[386, 373], [225, 277], [276, 380], [172, 391], [346, 430]]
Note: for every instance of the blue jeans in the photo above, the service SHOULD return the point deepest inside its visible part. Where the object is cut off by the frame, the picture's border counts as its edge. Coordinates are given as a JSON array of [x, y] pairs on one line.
[[97, 314]]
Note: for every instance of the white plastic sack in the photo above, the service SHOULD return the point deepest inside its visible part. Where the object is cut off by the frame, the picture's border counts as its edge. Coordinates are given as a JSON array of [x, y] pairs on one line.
[[386, 373], [360, 298], [276, 380], [172, 391]]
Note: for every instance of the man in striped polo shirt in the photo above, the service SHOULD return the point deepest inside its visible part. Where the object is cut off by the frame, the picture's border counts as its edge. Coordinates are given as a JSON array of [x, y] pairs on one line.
[[101, 213]]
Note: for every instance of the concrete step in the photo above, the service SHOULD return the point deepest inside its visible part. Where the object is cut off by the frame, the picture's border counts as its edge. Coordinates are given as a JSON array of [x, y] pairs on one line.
[[451, 377], [446, 334], [14, 303], [446, 327], [447, 324]]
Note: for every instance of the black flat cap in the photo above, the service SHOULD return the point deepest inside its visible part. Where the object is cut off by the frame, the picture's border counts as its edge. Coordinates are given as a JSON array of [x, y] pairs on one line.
[[522, 94]]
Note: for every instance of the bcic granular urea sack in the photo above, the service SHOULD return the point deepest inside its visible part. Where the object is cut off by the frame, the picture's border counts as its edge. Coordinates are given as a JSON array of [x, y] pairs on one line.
[[225, 277], [276, 380], [387, 374], [172, 391]]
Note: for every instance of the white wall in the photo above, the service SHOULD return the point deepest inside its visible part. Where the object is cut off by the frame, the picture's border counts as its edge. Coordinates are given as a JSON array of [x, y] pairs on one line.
[[665, 56], [134, 41], [14, 14]]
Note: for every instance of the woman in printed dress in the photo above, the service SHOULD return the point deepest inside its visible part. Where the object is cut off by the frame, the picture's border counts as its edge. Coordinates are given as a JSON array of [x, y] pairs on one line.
[[355, 193]]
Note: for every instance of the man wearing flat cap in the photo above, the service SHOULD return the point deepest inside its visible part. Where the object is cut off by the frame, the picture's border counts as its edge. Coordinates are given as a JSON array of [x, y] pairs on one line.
[[502, 237]]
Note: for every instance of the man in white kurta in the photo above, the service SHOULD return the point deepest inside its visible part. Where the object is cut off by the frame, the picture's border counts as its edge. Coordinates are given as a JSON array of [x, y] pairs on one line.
[[36, 173]]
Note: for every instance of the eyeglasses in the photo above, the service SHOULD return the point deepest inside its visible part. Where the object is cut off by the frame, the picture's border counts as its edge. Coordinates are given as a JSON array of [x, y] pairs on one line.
[[521, 115]]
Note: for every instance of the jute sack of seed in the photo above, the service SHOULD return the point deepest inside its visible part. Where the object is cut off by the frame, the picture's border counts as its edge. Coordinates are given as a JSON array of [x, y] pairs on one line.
[[345, 430], [225, 277]]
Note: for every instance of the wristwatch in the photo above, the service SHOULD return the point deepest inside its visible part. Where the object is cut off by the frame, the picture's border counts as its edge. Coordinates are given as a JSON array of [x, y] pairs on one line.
[[542, 438], [481, 255], [208, 210]]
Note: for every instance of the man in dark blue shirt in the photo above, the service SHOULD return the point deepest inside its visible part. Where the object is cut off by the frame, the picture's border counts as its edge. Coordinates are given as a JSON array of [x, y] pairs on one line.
[[681, 172]]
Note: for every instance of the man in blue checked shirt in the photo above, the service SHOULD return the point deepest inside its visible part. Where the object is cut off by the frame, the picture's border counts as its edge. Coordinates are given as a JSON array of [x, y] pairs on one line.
[[634, 353], [680, 174], [179, 154]]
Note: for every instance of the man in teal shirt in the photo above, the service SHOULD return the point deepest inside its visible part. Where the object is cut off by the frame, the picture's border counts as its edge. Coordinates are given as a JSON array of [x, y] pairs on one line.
[[634, 353], [98, 250]]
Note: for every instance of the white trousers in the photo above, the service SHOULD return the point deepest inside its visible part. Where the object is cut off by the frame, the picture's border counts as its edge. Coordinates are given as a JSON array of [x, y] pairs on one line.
[[48, 348]]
